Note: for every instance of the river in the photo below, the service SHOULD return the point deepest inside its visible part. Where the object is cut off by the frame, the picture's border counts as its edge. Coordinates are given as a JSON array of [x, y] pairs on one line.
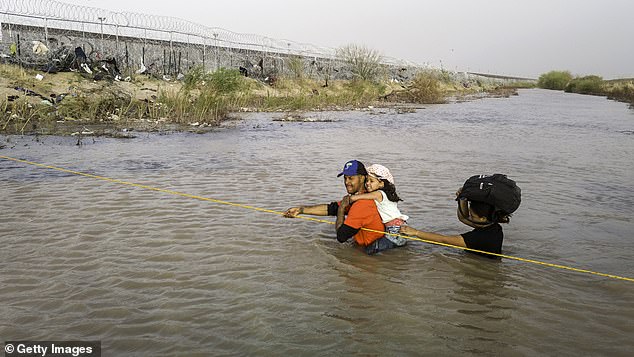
[[152, 273]]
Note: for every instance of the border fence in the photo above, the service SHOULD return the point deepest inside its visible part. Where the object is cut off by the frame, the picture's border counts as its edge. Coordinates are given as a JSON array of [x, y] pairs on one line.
[[48, 34], [161, 45]]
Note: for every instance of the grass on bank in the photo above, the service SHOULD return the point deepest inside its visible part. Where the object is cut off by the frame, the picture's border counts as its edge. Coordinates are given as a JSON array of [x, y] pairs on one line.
[[618, 89], [621, 90], [307, 94], [70, 100]]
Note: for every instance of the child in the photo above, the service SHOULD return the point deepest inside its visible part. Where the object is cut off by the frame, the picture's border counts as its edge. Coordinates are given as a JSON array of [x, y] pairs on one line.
[[379, 185], [486, 236]]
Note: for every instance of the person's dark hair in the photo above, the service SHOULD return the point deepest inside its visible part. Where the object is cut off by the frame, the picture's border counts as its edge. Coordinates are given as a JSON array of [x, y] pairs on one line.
[[501, 217], [390, 191], [482, 209], [486, 210]]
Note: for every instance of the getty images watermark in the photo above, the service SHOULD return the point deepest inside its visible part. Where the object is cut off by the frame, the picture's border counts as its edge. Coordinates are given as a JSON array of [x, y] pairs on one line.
[[52, 348]]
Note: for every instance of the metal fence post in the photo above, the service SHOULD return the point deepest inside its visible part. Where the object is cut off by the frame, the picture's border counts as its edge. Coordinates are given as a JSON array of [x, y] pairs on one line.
[[204, 50], [216, 50], [101, 19], [46, 31]]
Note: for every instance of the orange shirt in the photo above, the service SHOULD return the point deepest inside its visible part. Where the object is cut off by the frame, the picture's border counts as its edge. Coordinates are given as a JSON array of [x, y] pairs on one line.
[[363, 214]]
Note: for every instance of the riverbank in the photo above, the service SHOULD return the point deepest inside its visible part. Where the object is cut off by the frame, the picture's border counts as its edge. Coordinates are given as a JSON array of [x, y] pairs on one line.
[[67, 103], [621, 90]]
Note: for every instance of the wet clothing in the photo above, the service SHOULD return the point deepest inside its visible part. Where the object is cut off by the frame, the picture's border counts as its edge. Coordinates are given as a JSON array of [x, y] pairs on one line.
[[379, 245], [392, 218], [393, 229], [361, 214], [488, 239]]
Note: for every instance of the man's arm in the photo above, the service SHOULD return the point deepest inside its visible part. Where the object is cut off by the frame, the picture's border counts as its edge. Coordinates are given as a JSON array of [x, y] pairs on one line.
[[341, 211], [317, 210], [434, 237], [344, 232]]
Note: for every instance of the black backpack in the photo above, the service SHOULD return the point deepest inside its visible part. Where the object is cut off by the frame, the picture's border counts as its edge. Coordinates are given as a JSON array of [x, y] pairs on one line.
[[497, 190]]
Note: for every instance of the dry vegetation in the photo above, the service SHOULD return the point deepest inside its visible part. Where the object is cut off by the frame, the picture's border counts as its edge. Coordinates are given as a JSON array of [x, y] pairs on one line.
[[66, 102]]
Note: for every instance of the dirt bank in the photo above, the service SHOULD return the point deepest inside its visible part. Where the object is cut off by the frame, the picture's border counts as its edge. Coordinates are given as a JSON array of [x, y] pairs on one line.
[[71, 103]]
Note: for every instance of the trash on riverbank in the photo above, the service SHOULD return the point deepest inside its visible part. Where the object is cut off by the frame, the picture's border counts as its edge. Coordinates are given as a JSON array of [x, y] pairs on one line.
[[301, 119]]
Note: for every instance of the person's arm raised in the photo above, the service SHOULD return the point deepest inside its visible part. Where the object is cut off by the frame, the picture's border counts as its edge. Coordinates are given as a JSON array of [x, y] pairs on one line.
[[464, 216], [463, 212]]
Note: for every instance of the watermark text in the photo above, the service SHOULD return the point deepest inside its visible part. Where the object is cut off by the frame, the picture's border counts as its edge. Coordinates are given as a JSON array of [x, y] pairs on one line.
[[52, 348]]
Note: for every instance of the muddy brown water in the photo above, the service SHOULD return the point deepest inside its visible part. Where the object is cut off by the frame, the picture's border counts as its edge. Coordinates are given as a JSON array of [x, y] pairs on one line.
[[149, 273]]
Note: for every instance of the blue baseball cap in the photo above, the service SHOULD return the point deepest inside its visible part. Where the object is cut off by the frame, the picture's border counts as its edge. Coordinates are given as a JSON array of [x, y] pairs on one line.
[[353, 167]]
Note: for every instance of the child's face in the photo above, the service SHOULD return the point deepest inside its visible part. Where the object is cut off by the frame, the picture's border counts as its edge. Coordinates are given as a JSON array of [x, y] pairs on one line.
[[373, 184]]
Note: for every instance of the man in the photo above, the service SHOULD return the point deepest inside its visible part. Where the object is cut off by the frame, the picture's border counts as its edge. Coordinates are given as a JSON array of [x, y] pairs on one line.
[[352, 217]]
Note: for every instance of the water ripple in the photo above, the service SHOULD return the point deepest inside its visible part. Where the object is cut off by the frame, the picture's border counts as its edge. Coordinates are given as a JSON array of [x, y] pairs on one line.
[[148, 272]]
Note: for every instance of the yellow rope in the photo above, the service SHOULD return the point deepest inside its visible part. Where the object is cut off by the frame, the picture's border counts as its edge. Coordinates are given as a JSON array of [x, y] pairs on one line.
[[171, 192]]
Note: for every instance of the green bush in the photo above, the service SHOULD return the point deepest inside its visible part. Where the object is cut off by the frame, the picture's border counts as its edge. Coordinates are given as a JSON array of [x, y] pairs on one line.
[[222, 81], [585, 85], [225, 81], [194, 78], [554, 80]]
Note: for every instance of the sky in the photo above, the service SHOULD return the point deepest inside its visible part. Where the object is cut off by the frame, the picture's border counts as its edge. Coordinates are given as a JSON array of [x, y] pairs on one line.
[[523, 38]]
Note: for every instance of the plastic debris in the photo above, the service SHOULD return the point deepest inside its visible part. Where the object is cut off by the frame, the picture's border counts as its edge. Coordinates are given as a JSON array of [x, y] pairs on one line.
[[141, 70], [85, 67], [39, 48]]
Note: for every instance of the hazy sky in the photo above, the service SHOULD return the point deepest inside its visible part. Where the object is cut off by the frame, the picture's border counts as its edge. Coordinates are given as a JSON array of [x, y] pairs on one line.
[[513, 37]]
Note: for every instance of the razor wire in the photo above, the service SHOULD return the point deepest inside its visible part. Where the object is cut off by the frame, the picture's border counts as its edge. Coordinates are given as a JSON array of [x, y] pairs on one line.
[[107, 23]]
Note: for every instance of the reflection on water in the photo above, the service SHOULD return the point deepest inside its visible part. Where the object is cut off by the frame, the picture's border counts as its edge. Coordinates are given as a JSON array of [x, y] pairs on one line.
[[150, 273]]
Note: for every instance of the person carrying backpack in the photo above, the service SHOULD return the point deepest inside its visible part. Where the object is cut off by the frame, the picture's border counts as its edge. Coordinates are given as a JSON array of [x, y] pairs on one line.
[[483, 203]]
